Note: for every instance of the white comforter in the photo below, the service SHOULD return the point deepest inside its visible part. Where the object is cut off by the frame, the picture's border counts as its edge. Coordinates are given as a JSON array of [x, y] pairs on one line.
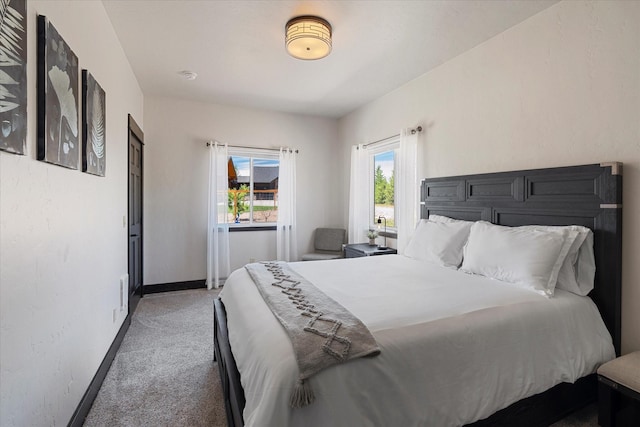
[[455, 347]]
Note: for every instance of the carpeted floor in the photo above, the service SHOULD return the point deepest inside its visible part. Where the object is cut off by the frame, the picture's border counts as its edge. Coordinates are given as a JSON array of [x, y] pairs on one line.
[[164, 374], [586, 417]]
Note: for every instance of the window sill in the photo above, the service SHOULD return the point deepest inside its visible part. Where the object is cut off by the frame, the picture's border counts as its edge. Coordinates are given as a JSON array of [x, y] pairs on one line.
[[233, 228], [389, 234]]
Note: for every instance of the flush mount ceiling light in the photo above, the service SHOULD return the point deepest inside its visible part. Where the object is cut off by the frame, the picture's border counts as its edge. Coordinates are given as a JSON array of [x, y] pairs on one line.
[[308, 37]]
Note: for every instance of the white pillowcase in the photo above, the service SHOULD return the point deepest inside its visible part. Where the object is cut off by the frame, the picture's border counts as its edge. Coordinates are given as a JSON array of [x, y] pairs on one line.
[[524, 256], [584, 268], [577, 274], [442, 218], [438, 242]]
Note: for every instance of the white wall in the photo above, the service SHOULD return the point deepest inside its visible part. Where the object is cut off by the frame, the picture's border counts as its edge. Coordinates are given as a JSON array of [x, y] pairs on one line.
[[561, 88], [176, 173], [63, 246]]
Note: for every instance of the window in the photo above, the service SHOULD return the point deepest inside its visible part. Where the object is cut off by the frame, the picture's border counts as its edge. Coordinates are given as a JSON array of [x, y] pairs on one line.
[[382, 176], [394, 162], [253, 189]]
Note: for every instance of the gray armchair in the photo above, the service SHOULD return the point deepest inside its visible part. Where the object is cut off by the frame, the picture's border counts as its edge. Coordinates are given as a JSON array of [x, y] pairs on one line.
[[327, 244]]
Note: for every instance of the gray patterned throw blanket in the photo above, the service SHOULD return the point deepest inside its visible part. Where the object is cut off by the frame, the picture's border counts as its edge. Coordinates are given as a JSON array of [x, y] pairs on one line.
[[323, 332]]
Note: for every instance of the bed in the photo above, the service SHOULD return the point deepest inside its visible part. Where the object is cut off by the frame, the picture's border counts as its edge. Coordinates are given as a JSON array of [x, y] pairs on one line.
[[419, 392]]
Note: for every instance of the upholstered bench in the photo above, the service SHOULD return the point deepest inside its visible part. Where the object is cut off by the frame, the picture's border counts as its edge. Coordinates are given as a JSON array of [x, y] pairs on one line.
[[618, 377]]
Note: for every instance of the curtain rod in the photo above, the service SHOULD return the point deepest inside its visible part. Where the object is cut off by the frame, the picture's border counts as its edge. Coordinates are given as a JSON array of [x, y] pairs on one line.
[[413, 132], [210, 143]]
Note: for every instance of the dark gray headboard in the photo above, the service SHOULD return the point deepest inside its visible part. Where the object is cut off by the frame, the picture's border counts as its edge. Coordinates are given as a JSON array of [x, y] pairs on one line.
[[588, 195]]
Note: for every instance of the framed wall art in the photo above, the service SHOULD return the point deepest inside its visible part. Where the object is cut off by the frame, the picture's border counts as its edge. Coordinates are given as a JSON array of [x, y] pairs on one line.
[[93, 125], [13, 75], [58, 122]]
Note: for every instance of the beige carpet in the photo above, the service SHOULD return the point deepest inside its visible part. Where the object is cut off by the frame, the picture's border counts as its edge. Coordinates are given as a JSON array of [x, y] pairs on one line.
[[164, 375]]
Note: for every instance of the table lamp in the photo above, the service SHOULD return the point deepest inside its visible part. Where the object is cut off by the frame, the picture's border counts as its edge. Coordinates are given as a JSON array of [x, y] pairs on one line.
[[380, 218]]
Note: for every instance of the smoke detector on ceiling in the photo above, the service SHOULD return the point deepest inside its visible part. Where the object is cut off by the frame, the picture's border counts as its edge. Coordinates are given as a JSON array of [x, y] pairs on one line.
[[188, 75]]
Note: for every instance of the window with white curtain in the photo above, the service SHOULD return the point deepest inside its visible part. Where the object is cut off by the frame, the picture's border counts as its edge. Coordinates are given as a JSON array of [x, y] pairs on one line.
[[383, 164], [253, 187], [384, 182]]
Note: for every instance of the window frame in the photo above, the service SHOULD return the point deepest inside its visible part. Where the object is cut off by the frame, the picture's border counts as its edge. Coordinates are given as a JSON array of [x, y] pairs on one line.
[[392, 144], [253, 153]]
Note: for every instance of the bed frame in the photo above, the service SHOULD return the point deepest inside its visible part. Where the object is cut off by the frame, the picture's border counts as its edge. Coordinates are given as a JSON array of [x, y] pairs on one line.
[[589, 195]]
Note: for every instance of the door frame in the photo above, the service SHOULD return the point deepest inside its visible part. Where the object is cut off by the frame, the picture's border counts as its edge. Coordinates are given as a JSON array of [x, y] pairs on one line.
[[136, 131]]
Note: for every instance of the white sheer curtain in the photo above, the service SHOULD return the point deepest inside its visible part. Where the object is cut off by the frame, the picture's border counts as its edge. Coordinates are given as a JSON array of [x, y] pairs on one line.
[[218, 263], [407, 187], [359, 195], [287, 246]]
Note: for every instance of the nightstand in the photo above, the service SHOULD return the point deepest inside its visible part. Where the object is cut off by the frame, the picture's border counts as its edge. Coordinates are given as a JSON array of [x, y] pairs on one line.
[[364, 249]]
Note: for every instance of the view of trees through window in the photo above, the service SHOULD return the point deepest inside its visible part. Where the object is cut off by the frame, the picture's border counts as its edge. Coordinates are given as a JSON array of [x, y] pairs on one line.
[[383, 187], [253, 190]]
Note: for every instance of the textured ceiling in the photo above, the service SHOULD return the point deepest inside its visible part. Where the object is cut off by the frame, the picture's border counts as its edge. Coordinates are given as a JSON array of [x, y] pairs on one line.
[[237, 47]]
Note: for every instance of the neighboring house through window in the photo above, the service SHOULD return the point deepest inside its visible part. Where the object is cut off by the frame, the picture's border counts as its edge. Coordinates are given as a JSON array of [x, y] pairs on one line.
[[253, 188]]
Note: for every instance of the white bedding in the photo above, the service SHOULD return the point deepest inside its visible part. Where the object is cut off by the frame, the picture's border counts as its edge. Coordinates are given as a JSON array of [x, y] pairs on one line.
[[455, 347]]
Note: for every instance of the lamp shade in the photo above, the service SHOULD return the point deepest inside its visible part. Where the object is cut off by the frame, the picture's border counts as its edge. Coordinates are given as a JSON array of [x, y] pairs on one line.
[[308, 37]]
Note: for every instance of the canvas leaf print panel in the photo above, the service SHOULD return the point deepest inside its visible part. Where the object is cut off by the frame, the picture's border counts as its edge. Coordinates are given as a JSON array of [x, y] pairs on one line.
[[13, 75], [58, 138], [93, 125]]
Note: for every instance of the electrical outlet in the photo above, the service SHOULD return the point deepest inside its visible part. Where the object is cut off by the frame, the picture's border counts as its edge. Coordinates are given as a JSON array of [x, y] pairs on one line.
[[252, 260], [124, 287]]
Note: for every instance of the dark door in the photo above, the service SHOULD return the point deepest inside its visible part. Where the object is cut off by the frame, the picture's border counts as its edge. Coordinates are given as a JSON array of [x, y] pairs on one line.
[[136, 144]]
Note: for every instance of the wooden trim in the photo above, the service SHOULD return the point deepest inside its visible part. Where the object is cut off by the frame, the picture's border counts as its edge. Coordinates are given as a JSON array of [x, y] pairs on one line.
[[232, 391], [41, 84], [621, 388], [617, 405], [133, 127], [175, 286], [81, 412], [388, 234], [616, 167], [253, 228]]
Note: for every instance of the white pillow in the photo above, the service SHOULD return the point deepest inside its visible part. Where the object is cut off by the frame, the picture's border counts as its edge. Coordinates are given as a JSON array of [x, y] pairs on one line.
[[437, 242], [524, 256], [442, 218], [585, 267], [577, 274]]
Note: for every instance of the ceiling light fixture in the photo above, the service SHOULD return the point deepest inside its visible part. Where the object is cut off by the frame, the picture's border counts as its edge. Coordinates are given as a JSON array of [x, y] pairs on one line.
[[308, 37]]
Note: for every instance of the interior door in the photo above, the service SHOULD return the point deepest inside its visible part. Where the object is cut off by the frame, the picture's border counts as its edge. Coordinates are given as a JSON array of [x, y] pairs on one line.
[[136, 144]]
